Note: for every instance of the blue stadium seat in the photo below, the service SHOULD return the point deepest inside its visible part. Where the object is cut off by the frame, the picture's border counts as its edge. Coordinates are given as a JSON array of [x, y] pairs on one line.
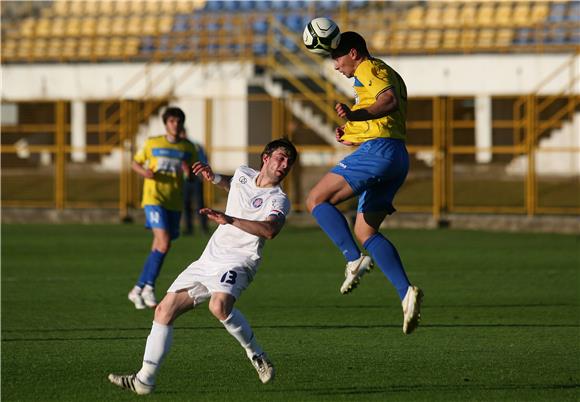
[[147, 44], [522, 36], [327, 5], [294, 22], [231, 5], [262, 5], [214, 5], [247, 5], [557, 12], [181, 23], [278, 4], [260, 49], [260, 26], [574, 11]]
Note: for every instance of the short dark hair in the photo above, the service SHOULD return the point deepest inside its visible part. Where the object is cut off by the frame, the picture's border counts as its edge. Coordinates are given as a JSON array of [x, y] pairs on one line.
[[350, 40], [283, 143], [173, 112]]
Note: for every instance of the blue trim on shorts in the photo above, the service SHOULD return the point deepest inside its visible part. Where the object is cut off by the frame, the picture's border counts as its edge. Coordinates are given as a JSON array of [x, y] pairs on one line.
[[159, 217], [375, 172]]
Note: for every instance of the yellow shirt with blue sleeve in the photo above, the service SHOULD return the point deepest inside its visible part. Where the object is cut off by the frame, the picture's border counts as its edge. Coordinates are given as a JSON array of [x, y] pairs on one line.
[[371, 78], [166, 160]]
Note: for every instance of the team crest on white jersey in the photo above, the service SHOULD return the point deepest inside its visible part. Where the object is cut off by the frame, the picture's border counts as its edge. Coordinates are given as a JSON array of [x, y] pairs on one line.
[[243, 179], [257, 202]]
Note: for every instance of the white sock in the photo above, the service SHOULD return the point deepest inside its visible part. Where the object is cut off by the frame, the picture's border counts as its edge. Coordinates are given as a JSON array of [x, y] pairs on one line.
[[239, 328], [158, 344]]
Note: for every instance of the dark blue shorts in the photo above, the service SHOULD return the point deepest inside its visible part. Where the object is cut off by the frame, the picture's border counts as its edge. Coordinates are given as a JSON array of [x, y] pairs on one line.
[[375, 172], [158, 217]]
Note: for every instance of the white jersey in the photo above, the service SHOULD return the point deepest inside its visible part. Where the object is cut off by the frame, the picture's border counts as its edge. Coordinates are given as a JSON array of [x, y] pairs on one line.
[[232, 246]]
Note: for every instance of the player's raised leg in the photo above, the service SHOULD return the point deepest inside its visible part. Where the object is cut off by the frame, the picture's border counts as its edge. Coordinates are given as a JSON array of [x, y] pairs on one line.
[[158, 344], [221, 306], [329, 191]]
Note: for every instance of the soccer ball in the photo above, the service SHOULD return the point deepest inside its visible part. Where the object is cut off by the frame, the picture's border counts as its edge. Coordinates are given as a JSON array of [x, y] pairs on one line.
[[321, 35]]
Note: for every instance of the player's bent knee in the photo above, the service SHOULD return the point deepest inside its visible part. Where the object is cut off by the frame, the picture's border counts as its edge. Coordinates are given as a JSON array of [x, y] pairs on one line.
[[218, 309], [163, 314]]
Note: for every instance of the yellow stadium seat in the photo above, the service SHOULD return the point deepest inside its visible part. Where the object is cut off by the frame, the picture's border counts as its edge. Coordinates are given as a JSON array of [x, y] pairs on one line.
[[184, 6], [116, 48], [450, 38], [9, 49], [399, 39], [539, 12], [485, 14], [149, 25], [77, 8], [137, 7], [58, 27], [486, 38], [89, 26], [85, 49], [450, 16], [122, 8], [415, 16], [106, 7], [433, 16], [521, 15], [39, 48], [503, 15], [468, 37], [73, 26], [44, 27], [119, 26], [103, 26], [24, 49], [152, 7], [504, 37], [28, 27], [165, 24], [134, 25], [92, 8], [379, 39], [101, 47], [132, 47], [69, 49], [54, 49], [468, 14], [415, 39], [433, 39], [199, 4], [61, 7]]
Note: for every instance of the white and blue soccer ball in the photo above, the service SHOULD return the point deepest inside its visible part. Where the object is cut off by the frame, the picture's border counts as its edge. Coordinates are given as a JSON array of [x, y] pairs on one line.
[[321, 35]]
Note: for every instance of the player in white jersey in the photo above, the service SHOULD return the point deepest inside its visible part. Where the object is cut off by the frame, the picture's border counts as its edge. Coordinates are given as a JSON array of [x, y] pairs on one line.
[[256, 210]]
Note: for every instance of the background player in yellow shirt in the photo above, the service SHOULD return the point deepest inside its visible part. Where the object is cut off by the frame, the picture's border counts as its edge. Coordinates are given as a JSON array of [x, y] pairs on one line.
[[161, 162], [374, 172]]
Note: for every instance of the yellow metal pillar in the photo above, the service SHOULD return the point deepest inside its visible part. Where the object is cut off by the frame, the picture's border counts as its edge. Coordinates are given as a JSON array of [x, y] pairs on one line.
[[60, 160], [531, 127]]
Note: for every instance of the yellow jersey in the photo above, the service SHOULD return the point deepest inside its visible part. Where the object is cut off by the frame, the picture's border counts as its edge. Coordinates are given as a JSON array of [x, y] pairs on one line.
[[165, 159], [371, 78]]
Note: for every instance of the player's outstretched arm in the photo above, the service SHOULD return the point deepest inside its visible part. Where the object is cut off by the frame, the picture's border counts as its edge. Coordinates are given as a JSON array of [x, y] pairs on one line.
[[205, 170], [267, 229]]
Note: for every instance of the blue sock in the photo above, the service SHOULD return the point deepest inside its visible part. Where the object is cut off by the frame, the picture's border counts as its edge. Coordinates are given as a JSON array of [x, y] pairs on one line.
[[386, 256], [151, 269], [334, 224]]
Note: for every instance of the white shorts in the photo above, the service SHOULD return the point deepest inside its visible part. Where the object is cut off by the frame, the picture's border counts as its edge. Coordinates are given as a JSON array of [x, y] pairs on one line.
[[201, 280]]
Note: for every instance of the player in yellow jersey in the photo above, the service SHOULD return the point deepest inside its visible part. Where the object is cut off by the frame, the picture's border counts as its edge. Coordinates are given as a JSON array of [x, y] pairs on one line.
[[161, 162], [373, 172]]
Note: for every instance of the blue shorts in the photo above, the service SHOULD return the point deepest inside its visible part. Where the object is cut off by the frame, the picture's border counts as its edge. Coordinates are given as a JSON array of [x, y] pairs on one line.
[[158, 217], [375, 172]]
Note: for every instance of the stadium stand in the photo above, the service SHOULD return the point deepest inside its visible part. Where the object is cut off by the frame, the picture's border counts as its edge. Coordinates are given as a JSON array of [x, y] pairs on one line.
[[163, 28]]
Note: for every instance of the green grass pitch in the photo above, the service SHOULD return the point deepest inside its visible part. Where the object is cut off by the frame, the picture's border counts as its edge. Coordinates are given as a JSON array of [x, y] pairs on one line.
[[500, 321]]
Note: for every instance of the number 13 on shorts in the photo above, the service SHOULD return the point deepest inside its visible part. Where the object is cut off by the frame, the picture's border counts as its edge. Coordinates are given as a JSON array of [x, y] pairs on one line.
[[229, 277]]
